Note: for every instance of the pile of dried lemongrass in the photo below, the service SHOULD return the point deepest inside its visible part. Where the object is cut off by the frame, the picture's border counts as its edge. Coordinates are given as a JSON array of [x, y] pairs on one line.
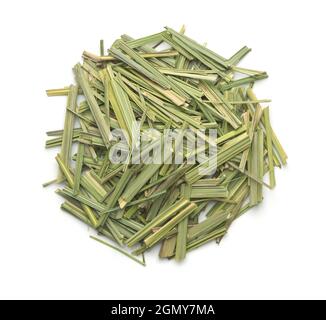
[[182, 204]]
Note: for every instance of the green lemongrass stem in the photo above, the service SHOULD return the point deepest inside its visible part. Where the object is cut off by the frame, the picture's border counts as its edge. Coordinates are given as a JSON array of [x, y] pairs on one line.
[[243, 81], [260, 160], [105, 80], [140, 64], [280, 151], [207, 238], [57, 92], [147, 173], [140, 181], [238, 56], [207, 225], [56, 142], [82, 198], [125, 178], [200, 48], [102, 59], [121, 105], [48, 183], [79, 214], [162, 217], [206, 77], [67, 135], [70, 179], [157, 236], [135, 202], [95, 109], [257, 179], [79, 165], [168, 247], [247, 102], [254, 170], [75, 211], [249, 72], [181, 244], [59, 133], [101, 47], [209, 192], [269, 144], [221, 105], [119, 250]]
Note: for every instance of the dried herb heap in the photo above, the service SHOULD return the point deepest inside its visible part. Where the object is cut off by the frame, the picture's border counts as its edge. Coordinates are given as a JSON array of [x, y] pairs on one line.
[[184, 86]]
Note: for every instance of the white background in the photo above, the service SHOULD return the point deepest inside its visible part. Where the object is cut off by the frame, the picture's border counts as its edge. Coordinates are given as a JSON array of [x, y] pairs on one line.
[[275, 251]]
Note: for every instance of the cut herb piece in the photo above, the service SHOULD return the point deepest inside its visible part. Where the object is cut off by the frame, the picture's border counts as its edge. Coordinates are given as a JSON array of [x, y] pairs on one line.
[[119, 250], [79, 165], [269, 147], [94, 107], [181, 244]]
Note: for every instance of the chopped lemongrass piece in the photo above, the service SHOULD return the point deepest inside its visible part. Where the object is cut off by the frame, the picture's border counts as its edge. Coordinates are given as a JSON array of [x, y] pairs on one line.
[[181, 244], [269, 145], [119, 250]]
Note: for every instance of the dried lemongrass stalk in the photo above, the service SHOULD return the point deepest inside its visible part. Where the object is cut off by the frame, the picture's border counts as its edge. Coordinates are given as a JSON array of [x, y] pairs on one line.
[[136, 183]]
